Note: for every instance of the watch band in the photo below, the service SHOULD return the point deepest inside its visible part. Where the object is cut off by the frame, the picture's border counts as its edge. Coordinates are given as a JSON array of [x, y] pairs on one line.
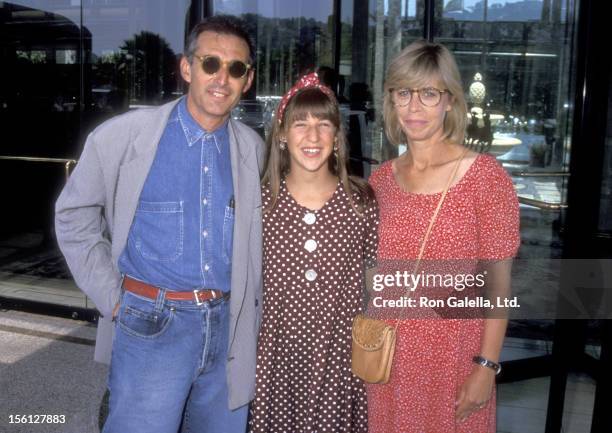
[[487, 363]]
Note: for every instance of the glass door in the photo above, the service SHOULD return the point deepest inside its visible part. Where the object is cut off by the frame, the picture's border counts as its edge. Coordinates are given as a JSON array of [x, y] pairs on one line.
[[68, 66], [517, 60]]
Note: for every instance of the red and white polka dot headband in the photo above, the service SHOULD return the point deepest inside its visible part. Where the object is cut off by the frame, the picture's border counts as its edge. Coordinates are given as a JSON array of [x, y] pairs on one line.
[[310, 80]]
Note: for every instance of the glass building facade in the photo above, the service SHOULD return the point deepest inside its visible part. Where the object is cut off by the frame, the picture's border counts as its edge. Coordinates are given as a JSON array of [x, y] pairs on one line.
[[68, 65]]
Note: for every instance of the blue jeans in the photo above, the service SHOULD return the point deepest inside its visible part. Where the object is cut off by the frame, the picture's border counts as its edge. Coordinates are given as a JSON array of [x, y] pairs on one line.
[[168, 368]]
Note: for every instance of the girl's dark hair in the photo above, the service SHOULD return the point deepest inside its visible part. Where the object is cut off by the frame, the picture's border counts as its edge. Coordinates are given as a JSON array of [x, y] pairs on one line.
[[316, 103]]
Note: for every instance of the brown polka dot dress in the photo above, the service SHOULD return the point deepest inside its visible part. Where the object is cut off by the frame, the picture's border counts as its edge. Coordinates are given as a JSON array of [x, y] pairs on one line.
[[313, 287]]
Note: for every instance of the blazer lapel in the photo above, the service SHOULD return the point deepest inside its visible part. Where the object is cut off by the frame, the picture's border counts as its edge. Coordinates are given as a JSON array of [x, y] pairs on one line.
[[133, 173], [243, 176]]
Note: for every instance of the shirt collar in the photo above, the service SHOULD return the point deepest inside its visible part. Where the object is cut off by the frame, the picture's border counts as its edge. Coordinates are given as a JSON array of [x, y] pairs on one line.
[[194, 132]]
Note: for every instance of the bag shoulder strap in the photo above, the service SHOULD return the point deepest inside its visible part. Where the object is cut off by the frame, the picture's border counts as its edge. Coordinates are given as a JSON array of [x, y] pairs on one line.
[[439, 206], [434, 217]]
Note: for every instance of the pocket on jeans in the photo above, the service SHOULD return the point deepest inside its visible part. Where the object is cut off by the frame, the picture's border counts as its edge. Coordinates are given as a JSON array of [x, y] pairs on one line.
[[139, 318], [158, 230], [228, 234]]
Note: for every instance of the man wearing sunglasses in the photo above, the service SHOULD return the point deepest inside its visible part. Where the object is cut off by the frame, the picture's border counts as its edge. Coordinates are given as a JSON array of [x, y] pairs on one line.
[[160, 224]]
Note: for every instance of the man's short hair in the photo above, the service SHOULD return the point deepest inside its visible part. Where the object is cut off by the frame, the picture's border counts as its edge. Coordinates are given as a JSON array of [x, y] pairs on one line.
[[223, 24]]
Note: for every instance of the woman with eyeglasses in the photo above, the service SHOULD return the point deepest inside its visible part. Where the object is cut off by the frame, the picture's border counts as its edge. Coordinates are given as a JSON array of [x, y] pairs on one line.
[[446, 359]]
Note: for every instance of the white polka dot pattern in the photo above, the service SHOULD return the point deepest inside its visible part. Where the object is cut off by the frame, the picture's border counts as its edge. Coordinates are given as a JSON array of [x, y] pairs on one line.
[[304, 380]]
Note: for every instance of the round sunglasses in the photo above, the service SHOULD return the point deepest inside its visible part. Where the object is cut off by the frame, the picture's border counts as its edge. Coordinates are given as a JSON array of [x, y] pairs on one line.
[[211, 65]]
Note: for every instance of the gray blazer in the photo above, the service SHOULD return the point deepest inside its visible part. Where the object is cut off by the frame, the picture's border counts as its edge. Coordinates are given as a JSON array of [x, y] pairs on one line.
[[94, 213]]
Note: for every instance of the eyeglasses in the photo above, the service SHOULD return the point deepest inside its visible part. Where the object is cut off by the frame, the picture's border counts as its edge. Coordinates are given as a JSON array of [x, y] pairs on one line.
[[211, 65], [429, 96]]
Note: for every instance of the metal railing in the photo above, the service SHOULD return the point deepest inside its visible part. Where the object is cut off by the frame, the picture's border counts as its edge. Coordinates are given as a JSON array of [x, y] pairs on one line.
[[68, 163], [540, 204], [539, 174]]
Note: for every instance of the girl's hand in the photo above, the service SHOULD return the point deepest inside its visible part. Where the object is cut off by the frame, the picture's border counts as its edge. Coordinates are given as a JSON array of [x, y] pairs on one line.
[[475, 392]]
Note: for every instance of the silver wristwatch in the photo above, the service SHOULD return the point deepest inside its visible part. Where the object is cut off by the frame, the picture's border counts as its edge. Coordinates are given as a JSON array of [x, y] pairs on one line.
[[487, 363]]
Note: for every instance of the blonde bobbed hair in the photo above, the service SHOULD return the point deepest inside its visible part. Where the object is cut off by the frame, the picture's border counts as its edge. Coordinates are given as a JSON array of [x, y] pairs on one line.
[[413, 68]]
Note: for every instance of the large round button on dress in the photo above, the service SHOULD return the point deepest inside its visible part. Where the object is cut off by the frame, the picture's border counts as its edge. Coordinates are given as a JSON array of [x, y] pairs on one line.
[[311, 275], [310, 218], [310, 245]]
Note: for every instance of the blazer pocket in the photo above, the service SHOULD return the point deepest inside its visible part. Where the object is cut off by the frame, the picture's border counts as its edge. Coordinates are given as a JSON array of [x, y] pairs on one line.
[[158, 230]]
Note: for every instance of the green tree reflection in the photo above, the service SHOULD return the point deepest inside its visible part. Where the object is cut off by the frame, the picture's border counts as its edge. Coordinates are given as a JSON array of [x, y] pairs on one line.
[[143, 71]]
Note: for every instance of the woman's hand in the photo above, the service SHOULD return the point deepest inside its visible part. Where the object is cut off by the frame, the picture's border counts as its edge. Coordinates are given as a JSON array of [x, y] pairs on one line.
[[475, 392]]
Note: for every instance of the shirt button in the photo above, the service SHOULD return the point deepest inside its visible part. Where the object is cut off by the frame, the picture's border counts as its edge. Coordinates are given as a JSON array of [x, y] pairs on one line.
[[205, 169], [311, 275], [207, 137], [310, 245], [310, 218], [206, 267], [205, 233], [205, 202]]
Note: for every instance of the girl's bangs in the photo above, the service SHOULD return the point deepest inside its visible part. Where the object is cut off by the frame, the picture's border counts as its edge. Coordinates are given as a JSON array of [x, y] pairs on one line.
[[314, 102]]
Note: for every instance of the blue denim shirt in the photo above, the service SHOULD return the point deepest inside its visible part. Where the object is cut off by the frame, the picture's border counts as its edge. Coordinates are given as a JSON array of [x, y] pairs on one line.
[[181, 236]]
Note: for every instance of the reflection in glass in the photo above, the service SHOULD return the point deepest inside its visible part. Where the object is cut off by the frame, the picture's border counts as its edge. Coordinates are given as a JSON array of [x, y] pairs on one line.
[[40, 100], [292, 38], [396, 24], [40, 78], [133, 56], [67, 66], [495, 10], [605, 214], [521, 52], [515, 58]]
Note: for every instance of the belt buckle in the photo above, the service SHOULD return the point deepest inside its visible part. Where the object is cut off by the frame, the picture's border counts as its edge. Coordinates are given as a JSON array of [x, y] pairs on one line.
[[197, 299]]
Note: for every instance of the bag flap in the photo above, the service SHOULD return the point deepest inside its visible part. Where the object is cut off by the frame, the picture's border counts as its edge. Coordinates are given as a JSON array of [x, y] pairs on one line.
[[368, 333]]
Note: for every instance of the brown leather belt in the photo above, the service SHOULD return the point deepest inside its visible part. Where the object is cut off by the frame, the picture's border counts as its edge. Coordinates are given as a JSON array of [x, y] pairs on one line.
[[151, 292]]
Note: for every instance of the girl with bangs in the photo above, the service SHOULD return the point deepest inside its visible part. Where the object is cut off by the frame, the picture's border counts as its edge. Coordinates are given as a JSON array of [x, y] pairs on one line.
[[320, 233]]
